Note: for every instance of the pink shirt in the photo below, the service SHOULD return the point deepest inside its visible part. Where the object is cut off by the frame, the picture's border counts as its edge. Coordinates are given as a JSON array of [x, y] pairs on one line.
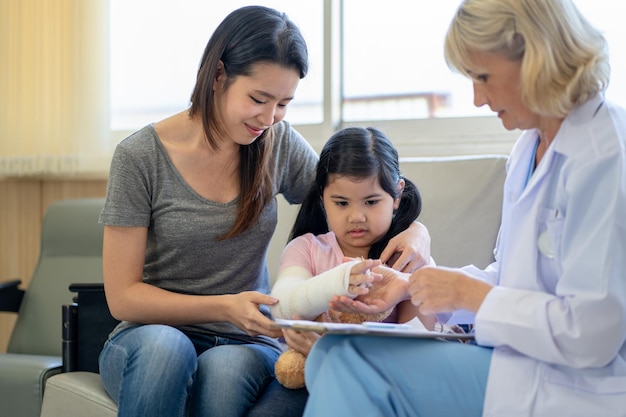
[[315, 253]]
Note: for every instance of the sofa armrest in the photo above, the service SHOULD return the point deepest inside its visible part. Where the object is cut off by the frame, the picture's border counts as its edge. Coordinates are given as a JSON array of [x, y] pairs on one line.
[[86, 326], [22, 378], [10, 296], [69, 338]]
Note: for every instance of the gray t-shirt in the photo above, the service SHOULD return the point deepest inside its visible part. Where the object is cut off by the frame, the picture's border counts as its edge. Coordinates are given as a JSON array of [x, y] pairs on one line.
[[183, 253]]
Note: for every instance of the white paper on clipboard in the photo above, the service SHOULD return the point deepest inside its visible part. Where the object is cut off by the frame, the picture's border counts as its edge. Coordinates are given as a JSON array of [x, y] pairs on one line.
[[413, 328]]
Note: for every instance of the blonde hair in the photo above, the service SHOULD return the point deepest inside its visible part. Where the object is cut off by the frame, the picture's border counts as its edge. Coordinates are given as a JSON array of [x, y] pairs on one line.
[[564, 59]]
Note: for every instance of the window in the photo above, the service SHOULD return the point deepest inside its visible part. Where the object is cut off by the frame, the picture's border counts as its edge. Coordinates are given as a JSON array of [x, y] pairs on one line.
[[394, 66], [393, 62], [391, 71], [156, 47]]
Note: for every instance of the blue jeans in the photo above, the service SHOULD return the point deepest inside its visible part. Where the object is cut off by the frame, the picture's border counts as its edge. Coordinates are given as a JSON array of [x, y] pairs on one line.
[[278, 401], [371, 376], [157, 370]]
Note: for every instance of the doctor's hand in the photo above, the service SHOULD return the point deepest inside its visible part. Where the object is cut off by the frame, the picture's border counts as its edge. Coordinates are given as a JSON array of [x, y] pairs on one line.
[[439, 290], [413, 247]]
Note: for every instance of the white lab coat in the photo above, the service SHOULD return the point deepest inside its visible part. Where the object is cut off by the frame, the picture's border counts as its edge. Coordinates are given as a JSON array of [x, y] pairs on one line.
[[557, 319]]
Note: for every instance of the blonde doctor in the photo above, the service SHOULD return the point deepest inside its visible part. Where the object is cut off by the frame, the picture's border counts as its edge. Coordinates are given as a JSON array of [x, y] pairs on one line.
[[550, 312]]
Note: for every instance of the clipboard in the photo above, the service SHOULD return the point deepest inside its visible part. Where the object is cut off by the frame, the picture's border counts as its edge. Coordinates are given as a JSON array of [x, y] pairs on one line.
[[370, 328]]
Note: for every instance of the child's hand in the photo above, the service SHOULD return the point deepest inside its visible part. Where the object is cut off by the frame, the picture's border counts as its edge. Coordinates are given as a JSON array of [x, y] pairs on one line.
[[387, 290], [300, 341], [303, 341], [361, 276]]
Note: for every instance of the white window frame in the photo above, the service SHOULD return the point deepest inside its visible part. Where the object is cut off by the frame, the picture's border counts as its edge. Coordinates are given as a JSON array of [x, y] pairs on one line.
[[418, 137]]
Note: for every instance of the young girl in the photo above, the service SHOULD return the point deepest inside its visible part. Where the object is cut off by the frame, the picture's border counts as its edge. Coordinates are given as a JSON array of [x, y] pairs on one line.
[[358, 202]]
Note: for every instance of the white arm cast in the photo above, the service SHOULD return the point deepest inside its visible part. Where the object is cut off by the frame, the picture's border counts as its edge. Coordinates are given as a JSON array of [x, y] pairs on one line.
[[305, 296]]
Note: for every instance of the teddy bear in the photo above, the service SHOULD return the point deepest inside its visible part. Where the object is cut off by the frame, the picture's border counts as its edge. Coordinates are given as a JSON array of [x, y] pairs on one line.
[[289, 367]]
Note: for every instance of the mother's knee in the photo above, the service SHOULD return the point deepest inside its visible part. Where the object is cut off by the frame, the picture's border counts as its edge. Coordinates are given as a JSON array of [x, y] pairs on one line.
[[242, 360], [158, 347]]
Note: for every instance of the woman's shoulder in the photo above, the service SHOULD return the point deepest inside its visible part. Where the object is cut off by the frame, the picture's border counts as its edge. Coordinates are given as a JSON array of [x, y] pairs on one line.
[[288, 140], [141, 150], [615, 125], [595, 128], [295, 163], [283, 130], [145, 137]]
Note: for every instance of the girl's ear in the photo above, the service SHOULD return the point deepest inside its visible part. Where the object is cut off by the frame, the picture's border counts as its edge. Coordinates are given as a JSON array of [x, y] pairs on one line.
[[400, 189], [220, 77]]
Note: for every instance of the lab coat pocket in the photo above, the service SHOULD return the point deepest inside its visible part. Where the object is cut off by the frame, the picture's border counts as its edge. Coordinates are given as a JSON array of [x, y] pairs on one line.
[[550, 229], [549, 234], [584, 395]]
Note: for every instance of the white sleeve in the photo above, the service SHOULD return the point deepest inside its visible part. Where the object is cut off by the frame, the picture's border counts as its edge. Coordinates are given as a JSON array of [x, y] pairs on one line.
[[307, 296]]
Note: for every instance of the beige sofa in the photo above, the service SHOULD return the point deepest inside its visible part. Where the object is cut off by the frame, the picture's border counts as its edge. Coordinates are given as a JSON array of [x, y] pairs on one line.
[[461, 208]]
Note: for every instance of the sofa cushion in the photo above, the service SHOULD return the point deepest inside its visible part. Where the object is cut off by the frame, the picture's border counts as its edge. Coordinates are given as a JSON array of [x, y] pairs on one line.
[[83, 390], [461, 205]]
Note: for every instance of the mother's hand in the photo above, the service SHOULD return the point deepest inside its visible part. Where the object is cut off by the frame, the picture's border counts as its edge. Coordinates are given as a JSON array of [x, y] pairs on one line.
[[413, 247], [242, 309]]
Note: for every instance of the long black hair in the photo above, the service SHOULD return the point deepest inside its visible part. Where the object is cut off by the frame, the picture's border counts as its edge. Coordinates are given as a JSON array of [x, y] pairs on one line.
[[247, 36], [359, 152]]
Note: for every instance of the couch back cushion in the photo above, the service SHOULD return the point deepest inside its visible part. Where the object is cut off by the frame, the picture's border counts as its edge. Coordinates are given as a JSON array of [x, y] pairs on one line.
[[461, 205]]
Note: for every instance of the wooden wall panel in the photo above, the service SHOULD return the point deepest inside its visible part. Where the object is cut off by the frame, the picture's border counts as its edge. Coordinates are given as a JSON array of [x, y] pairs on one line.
[[23, 203], [53, 190], [20, 226]]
